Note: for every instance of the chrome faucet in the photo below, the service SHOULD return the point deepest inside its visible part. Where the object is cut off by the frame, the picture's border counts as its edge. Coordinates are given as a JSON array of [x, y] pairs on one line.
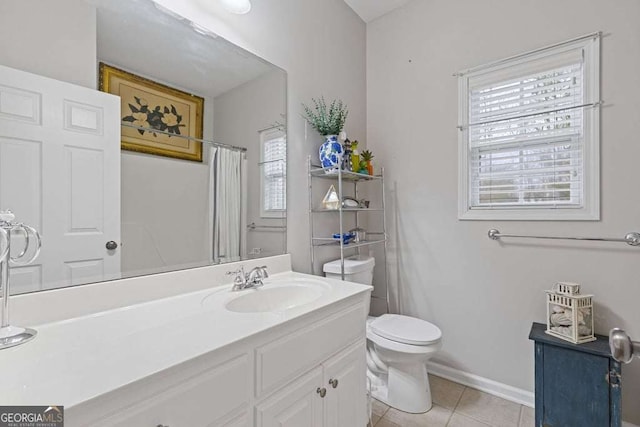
[[257, 274], [251, 280]]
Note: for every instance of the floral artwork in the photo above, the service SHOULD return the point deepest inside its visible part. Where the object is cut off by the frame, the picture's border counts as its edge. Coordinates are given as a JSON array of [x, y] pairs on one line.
[[157, 119], [163, 118]]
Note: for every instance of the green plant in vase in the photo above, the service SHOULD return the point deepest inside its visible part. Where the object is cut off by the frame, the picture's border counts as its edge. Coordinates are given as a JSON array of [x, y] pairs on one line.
[[367, 156], [329, 121]]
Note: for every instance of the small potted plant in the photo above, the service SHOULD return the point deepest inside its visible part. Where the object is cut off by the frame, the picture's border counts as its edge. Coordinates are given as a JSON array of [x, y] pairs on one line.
[[328, 121], [366, 158]]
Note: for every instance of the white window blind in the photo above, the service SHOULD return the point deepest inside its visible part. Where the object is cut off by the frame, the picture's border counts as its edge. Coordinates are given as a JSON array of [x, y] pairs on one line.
[[274, 173], [528, 133]]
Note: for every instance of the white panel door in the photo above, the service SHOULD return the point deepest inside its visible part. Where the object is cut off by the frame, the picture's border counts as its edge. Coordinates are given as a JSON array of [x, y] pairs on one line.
[[60, 173], [345, 377], [297, 405]]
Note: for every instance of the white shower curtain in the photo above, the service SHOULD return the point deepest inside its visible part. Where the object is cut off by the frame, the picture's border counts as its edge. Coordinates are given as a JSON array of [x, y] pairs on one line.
[[228, 204]]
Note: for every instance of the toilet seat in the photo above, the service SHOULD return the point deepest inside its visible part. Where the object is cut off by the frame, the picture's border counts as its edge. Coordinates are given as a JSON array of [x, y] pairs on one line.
[[405, 330], [400, 347]]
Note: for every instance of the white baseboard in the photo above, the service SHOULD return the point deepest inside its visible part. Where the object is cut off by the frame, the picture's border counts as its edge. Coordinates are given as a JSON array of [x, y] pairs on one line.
[[492, 387], [495, 388]]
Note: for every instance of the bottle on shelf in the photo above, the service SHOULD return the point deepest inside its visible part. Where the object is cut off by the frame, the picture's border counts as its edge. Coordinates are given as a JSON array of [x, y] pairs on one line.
[[355, 156]]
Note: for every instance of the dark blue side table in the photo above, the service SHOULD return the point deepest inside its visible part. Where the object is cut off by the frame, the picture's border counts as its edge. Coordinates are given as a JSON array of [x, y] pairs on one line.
[[576, 385]]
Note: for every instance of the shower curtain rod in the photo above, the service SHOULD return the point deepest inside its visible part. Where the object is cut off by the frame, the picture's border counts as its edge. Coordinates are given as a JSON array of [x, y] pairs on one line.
[[276, 126], [632, 238], [190, 138]]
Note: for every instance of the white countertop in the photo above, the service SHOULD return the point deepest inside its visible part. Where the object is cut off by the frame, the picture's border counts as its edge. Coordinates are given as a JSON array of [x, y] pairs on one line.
[[72, 361]]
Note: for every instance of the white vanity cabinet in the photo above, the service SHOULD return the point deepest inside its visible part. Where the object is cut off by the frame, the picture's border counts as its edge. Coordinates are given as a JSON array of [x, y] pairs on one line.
[[331, 395], [344, 375], [309, 371], [216, 397], [298, 405]]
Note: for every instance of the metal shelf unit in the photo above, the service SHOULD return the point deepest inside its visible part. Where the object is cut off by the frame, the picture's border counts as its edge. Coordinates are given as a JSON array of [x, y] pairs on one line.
[[344, 178], [332, 173], [347, 210], [329, 241]]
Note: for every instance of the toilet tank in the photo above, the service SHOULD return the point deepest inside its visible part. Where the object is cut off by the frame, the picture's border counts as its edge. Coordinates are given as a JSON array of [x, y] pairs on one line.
[[357, 268]]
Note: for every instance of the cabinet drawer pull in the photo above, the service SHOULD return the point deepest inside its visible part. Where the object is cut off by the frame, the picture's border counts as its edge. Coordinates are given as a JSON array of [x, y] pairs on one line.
[[333, 383], [161, 425], [322, 391]]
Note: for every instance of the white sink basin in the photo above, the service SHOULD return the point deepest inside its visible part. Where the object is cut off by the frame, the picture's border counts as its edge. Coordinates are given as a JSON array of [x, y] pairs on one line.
[[277, 297]]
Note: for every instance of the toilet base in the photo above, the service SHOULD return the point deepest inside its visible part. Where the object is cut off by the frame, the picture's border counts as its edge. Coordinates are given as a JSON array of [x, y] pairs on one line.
[[405, 388]]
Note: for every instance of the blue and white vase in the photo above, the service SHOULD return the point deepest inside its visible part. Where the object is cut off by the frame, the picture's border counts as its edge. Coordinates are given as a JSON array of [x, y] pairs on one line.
[[331, 153]]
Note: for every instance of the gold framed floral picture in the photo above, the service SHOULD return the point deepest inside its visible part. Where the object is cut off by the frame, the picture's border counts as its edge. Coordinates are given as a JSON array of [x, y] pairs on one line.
[[157, 119]]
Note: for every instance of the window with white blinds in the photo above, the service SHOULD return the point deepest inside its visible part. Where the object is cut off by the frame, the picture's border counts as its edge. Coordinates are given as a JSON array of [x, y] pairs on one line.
[[273, 166], [529, 136]]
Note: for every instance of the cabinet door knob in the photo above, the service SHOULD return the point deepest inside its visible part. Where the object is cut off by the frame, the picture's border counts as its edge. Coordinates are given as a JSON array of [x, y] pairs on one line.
[[322, 391], [333, 383]]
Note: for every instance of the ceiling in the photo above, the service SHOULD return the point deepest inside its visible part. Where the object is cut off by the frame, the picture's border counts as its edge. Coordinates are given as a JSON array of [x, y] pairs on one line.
[[136, 36], [369, 10]]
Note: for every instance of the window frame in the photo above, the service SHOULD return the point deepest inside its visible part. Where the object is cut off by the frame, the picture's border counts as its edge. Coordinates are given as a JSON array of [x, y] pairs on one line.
[[590, 208], [265, 136]]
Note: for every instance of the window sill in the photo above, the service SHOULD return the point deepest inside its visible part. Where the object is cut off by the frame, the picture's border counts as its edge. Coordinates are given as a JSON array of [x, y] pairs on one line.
[[273, 215], [531, 214]]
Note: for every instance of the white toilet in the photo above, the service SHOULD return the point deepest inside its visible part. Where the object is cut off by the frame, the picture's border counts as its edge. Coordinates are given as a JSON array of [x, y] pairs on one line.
[[357, 269], [398, 347]]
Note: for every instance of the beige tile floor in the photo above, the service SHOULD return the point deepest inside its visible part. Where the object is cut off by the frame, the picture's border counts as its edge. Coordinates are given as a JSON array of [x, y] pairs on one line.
[[455, 405]]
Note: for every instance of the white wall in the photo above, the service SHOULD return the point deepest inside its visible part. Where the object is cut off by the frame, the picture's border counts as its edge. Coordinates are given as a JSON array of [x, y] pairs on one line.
[[157, 194], [484, 295], [58, 41], [321, 45], [165, 213], [239, 114]]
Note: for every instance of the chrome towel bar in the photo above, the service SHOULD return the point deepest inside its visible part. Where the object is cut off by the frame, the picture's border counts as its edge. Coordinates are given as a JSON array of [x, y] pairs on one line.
[[253, 226], [632, 238]]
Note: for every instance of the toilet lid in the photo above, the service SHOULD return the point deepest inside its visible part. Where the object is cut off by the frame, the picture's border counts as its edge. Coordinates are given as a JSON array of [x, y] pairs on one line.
[[405, 329]]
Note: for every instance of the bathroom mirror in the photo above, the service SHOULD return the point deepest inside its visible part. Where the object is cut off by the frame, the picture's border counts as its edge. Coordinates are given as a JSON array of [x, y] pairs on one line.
[[161, 212]]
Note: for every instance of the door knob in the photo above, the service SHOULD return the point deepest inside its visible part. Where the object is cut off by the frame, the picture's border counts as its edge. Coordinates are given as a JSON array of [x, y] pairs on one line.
[[622, 348], [333, 383], [322, 391], [111, 245]]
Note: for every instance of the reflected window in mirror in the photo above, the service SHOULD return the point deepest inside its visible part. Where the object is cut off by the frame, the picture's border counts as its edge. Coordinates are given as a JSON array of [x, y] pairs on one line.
[[273, 177]]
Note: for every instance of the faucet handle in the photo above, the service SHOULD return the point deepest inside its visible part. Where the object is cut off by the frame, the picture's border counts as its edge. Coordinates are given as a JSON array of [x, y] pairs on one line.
[[238, 271], [265, 274], [240, 276]]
